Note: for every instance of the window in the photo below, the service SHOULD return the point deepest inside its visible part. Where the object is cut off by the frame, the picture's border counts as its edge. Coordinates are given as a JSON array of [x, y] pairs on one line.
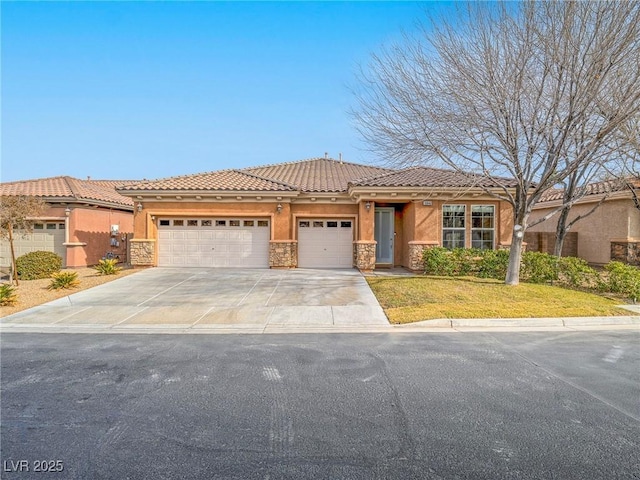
[[51, 226], [164, 223], [332, 224], [178, 223], [318, 224], [248, 223], [61, 226], [453, 226], [205, 223], [221, 223], [482, 226], [303, 224], [38, 226], [234, 223], [192, 223], [263, 223], [345, 224]]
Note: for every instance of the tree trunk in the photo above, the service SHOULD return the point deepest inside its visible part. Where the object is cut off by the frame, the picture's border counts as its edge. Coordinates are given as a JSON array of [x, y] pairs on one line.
[[561, 232], [14, 269], [515, 255]]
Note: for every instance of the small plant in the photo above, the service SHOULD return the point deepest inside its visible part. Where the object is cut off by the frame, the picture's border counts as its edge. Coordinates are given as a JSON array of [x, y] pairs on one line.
[[40, 264], [64, 280], [8, 295], [108, 267]]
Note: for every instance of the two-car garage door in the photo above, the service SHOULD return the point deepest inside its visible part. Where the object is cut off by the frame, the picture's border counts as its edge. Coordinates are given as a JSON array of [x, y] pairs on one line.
[[214, 242]]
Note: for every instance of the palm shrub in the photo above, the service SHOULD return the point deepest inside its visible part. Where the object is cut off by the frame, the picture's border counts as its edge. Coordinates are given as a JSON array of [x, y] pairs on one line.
[[64, 280], [8, 295], [108, 267], [39, 264]]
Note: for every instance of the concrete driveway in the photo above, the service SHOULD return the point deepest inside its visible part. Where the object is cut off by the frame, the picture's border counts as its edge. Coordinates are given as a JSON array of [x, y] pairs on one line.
[[194, 300]]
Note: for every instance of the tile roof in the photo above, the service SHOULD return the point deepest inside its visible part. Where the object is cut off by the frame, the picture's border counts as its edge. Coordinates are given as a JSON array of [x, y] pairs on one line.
[[432, 177], [229, 180], [68, 189], [596, 188], [317, 174]]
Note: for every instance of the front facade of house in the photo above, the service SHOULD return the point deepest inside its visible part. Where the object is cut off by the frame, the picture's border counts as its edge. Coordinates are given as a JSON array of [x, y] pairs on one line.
[[611, 232], [317, 213], [83, 220]]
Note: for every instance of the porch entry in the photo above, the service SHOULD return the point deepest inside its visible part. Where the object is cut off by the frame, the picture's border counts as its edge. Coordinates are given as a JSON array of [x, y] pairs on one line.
[[383, 234]]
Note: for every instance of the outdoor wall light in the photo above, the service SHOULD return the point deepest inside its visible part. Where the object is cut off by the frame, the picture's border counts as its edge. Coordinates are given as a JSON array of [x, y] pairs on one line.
[[67, 211], [279, 208], [139, 206], [367, 206]]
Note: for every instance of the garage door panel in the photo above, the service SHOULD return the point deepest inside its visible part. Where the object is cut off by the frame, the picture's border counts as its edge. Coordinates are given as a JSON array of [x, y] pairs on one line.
[[214, 243], [325, 243]]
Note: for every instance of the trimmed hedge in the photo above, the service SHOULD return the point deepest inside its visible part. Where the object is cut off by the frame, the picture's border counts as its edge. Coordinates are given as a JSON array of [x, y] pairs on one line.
[[35, 265], [535, 267]]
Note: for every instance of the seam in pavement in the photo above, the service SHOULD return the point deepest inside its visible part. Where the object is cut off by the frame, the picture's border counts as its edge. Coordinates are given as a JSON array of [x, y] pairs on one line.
[[70, 315], [251, 290], [202, 316], [266, 304], [165, 291], [129, 317]]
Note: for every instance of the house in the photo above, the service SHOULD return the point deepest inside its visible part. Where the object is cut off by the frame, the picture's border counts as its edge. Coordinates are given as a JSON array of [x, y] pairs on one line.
[[83, 220], [313, 213], [611, 232]]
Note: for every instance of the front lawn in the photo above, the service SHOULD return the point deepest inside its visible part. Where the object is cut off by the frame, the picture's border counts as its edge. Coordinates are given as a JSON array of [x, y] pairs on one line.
[[412, 299]]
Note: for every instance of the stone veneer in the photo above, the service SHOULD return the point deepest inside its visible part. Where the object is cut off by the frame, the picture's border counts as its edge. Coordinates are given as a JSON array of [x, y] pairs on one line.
[[142, 252], [283, 253], [364, 255], [416, 249], [626, 251]]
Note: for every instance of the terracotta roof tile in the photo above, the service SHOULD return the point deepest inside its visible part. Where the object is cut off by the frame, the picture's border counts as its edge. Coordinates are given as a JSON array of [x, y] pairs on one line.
[[229, 180], [317, 174], [432, 177], [596, 188], [67, 189]]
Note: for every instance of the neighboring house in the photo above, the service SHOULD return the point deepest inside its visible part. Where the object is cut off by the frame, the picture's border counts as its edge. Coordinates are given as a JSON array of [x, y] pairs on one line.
[[312, 214], [83, 220], [611, 232]]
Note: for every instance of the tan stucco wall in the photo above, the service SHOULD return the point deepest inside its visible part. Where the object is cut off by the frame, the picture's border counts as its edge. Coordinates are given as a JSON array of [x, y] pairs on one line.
[[613, 220], [92, 226]]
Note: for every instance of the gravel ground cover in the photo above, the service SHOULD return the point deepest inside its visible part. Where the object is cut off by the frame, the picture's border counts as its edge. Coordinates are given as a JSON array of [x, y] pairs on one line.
[[34, 292]]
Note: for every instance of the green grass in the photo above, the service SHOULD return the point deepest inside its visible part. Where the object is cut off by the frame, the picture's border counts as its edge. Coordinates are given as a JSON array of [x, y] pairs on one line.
[[412, 299]]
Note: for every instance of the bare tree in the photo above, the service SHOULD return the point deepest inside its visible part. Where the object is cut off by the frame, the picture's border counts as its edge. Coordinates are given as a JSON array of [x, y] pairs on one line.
[[531, 91], [16, 216]]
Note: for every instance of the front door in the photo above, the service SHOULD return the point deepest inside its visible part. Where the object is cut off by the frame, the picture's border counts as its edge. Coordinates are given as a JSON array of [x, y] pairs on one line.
[[383, 234]]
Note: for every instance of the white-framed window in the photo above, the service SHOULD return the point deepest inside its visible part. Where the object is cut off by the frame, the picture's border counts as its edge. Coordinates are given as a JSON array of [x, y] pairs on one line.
[[483, 226], [453, 226]]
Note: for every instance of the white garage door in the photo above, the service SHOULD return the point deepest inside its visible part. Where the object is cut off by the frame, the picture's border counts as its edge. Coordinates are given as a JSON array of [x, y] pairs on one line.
[[213, 242], [325, 243], [46, 236]]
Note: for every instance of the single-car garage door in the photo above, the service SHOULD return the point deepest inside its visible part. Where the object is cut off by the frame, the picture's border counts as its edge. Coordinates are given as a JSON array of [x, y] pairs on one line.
[[213, 242], [325, 243], [46, 236]]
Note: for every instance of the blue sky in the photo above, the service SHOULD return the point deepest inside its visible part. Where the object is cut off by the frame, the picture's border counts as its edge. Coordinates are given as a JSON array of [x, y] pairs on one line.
[[128, 90]]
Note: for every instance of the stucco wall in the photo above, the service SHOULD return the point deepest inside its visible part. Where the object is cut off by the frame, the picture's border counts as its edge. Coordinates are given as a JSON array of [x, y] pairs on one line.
[[90, 229], [615, 219]]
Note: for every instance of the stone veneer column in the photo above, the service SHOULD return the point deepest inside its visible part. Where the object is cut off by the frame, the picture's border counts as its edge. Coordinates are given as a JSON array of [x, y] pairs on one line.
[[416, 249], [283, 253], [142, 252], [364, 255], [627, 251]]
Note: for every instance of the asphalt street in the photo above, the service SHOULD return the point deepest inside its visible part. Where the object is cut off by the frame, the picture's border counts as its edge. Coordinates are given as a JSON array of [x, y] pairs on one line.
[[531, 405]]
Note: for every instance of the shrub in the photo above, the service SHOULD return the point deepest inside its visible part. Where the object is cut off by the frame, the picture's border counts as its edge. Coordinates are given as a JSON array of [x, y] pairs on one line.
[[8, 295], [64, 280], [575, 272], [539, 267], [438, 261], [35, 265], [466, 260], [623, 279], [108, 267], [493, 264]]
